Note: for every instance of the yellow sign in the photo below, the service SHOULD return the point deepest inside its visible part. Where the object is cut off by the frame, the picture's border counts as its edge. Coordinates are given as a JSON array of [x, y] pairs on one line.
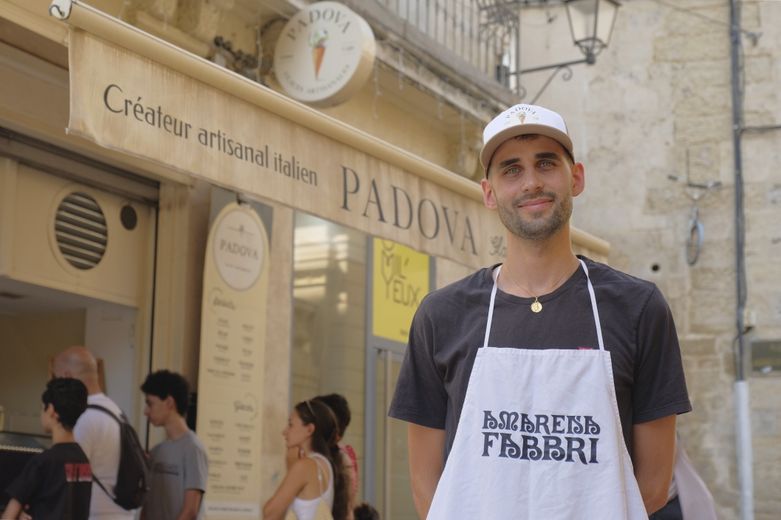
[[400, 281]]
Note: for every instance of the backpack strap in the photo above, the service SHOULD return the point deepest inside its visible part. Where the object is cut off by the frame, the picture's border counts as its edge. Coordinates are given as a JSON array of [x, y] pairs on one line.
[[99, 483], [109, 412], [119, 422]]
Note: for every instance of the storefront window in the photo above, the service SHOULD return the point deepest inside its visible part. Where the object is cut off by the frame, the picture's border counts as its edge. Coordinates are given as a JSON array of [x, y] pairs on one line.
[[329, 317], [329, 355]]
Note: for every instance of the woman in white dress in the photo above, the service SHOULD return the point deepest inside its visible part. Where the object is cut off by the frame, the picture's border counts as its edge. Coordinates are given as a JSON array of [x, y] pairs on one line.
[[314, 487]]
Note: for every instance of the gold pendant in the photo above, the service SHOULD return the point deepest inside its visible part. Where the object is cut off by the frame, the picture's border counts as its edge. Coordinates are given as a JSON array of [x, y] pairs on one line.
[[536, 306]]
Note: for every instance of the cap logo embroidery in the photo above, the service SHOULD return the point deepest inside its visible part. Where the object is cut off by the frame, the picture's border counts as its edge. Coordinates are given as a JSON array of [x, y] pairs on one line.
[[522, 117]]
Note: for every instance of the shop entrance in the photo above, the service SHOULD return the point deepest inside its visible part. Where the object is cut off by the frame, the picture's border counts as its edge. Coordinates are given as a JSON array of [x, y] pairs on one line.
[[76, 268], [391, 473], [37, 322]]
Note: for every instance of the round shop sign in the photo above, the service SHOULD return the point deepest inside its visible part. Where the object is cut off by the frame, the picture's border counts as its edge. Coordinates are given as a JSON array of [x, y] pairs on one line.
[[238, 249], [324, 54]]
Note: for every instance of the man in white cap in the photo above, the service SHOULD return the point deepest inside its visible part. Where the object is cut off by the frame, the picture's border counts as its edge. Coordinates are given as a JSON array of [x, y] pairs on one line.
[[546, 387]]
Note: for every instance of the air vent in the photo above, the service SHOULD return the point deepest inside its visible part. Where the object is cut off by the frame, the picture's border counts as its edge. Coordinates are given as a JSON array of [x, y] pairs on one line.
[[80, 229]]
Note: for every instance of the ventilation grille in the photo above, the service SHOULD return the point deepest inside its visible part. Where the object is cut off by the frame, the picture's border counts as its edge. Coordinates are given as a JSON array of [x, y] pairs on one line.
[[80, 229]]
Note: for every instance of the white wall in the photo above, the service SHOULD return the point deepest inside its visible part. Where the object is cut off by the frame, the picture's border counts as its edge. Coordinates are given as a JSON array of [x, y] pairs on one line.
[[110, 335], [27, 342]]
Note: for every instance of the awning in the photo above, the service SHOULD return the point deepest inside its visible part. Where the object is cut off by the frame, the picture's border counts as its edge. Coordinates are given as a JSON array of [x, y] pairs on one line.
[[133, 92]]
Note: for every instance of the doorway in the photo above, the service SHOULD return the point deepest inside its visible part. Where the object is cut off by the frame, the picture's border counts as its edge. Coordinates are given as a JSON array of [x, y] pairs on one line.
[[391, 473]]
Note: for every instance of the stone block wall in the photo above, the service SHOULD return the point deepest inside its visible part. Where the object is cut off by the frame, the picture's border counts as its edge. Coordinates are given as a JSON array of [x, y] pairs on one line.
[[658, 103]]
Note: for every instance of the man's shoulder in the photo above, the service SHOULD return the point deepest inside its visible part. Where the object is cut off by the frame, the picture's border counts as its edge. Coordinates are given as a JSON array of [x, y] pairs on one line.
[[472, 286], [103, 401], [188, 443], [195, 441], [607, 277], [626, 293], [62, 452], [96, 420]]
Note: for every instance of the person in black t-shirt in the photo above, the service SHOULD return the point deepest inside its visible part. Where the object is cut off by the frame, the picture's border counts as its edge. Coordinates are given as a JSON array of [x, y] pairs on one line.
[[547, 386], [56, 484]]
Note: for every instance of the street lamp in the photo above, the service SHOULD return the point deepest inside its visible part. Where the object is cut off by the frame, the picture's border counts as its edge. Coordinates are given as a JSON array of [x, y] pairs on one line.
[[591, 24]]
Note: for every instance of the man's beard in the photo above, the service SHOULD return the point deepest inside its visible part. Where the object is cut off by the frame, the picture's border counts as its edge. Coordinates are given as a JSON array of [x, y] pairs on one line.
[[540, 228]]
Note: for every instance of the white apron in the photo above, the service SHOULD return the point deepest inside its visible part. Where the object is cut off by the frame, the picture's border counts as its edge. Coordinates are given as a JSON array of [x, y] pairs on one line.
[[539, 438]]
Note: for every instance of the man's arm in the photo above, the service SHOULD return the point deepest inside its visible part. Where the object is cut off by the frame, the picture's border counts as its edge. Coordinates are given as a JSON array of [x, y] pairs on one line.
[[13, 509], [191, 505], [426, 447], [653, 457]]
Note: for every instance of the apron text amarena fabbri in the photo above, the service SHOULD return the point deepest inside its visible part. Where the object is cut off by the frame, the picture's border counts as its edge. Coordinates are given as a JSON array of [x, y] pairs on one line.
[[539, 437]]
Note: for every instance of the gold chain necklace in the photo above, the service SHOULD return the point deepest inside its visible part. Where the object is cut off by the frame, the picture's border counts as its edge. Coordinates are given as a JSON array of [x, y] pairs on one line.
[[536, 305]]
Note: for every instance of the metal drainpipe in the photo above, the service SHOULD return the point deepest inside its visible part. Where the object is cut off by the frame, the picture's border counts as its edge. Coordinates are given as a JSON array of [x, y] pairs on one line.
[[741, 388]]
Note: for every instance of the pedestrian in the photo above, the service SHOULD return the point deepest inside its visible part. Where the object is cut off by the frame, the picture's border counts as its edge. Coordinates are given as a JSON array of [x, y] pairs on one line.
[[179, 463], [56, 483], [315, 487], [537, 378], [366, 511], [96, 432], [341, 408]]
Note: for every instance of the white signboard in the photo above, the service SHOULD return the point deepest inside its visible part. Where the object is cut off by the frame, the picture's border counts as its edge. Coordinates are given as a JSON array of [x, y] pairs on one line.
[[233, 330], [324, 54]]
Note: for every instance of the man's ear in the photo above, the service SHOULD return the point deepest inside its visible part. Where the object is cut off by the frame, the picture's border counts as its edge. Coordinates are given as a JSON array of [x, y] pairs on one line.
[[170, 402], [578, 179], [49, 410], [489, 197]]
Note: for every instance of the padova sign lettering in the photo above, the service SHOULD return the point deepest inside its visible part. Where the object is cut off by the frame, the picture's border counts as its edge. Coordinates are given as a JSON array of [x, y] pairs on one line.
[[148, 110]]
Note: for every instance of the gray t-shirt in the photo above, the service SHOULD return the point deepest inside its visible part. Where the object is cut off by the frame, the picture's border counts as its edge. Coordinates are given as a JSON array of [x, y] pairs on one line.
[[177, 465], [449, 327]]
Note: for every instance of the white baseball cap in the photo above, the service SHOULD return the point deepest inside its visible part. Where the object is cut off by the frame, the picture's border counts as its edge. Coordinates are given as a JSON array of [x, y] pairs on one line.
[[522, 120]]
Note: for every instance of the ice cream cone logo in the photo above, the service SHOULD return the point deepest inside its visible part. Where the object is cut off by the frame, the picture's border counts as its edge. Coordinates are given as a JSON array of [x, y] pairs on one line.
[[318, 40], [522, 117]]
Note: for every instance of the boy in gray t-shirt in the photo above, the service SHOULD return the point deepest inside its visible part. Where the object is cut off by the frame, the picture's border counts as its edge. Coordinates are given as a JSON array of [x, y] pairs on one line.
[[179, 463]]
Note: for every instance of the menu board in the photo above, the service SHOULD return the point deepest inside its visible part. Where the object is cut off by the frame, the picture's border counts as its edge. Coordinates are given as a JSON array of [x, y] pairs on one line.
[[233, 330]]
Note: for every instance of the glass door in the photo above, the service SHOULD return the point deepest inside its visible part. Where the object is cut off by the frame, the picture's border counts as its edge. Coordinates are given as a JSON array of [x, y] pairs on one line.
[[391, 486]]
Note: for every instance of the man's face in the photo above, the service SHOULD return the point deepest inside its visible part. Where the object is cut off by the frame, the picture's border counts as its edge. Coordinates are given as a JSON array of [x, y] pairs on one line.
[[157, 410], [531, 184]]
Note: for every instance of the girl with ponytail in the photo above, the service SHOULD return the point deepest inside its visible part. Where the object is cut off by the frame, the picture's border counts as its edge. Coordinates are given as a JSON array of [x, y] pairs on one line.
[[315, 487]]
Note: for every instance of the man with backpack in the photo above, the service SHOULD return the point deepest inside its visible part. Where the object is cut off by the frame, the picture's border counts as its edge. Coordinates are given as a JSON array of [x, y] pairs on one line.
[[99, 433]]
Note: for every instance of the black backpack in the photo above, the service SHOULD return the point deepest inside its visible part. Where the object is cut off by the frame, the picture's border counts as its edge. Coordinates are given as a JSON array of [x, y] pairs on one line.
[[133, 473]]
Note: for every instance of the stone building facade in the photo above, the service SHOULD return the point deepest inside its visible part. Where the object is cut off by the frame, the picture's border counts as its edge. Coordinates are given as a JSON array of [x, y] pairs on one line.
[[658, 104]]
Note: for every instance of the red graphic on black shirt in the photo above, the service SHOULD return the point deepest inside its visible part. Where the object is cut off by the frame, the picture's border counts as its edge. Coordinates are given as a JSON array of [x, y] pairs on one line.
[[78, 472]]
